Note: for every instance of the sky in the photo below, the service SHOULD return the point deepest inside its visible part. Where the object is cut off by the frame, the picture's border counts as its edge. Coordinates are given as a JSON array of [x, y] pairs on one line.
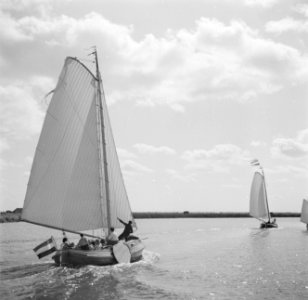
[[195, 90]]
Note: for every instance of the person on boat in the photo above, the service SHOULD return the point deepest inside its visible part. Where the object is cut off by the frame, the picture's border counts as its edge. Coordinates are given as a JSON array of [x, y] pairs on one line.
[[66, 245], [83, 243], [112, 238], [102, 243], [96, 244], [127, 230], [91, 245]]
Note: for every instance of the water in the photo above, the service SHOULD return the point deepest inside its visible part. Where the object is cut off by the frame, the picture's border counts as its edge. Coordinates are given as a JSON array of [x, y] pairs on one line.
[[184, 259]]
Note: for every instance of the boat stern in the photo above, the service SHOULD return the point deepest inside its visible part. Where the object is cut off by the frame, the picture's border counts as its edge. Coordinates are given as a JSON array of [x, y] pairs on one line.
[[136, 248]]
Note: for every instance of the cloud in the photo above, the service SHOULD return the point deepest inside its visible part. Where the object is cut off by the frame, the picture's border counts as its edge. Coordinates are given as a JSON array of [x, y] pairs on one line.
[[291, 148], [129, 165], [132, 168], [125, 154], [290, 24], [218, 159], [20, 114], [276, 60], [149, 149], [287, 24], [213, 60], [302, 9]]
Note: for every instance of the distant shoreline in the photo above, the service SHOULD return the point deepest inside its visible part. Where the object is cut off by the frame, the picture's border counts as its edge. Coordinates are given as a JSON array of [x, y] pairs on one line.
[[15, 216], [155, 215]]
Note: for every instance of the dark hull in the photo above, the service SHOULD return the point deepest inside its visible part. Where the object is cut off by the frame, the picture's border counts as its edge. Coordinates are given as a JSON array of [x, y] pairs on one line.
[[268, 225], [101, 257]]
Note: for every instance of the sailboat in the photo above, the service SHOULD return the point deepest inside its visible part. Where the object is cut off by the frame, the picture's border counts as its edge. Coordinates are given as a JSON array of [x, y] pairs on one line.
[[258, 199], [76, 184], [304, 212]]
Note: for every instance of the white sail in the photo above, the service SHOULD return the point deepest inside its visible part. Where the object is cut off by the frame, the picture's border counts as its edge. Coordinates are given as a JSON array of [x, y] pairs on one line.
[[258, 198], [304, 212], [119, 203], [66, 189]]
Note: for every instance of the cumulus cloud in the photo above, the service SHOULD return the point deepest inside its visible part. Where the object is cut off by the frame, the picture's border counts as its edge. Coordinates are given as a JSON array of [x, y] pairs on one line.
[[125, 154], [20, 114], [149, 149], [286, 25], [302, 9], [26, 6], [133, 168], [129, 165], [290, 24], [213, 60], [218, 159], [291, 147]]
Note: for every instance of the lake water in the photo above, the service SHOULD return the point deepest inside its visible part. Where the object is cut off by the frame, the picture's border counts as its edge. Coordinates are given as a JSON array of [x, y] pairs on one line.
[[184, 259]]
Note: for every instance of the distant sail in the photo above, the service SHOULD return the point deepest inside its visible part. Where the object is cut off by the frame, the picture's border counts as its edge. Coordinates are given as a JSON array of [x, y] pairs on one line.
[[258, 198], [304, 212], [66, 184]]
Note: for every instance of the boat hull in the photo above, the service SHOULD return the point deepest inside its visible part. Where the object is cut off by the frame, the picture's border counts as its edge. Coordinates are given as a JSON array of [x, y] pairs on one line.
[[268, 225], [100, 257]]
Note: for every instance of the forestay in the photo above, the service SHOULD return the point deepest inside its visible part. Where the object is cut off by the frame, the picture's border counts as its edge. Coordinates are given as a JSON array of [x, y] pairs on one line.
[[64, 189], [258, 197]]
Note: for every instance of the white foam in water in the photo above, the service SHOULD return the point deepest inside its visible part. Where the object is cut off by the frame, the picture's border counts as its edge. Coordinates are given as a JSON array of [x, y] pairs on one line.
[[149, 257]]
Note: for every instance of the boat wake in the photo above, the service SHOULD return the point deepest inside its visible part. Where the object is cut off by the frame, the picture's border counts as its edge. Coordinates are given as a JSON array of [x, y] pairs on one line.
[[45, 278], [25, 270]]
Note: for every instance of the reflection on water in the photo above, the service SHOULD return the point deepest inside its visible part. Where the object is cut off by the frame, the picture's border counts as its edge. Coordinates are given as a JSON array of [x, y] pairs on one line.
[[184, 259]]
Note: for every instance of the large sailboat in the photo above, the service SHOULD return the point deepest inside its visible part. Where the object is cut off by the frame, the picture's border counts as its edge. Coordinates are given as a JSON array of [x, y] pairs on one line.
[[76, 184], [304, 212], [258, 198]]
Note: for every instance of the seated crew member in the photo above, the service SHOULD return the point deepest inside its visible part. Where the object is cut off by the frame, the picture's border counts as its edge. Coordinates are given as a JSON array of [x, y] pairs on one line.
[[112, 238], [65, 244], [83, 243]]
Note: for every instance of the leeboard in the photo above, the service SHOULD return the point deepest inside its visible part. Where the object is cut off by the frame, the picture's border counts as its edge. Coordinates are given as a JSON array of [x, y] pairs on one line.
[[121, 253]]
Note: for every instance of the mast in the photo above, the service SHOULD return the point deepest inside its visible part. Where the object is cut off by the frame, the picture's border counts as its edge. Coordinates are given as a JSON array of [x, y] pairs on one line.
[[103, 136]]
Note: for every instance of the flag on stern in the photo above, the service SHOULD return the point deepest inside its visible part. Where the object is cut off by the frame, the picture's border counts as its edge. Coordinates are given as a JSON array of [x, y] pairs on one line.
[[45, 248]]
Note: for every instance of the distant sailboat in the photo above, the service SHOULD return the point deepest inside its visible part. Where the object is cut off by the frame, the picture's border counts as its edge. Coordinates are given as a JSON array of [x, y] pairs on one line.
[[76, 182], [304, 212], [258, 199]]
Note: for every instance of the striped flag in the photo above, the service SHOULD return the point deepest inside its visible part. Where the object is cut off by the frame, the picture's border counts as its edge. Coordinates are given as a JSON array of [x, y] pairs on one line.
[[255, 162], [45, 248]]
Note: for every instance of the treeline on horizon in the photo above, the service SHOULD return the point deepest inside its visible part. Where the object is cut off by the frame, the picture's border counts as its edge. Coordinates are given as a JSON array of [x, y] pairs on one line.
[[15, 216], [187, 214]]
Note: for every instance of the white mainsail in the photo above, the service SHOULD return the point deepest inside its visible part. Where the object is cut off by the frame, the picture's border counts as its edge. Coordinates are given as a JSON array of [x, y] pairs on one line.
[[258, 197], [304, 212], [67, 186]]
